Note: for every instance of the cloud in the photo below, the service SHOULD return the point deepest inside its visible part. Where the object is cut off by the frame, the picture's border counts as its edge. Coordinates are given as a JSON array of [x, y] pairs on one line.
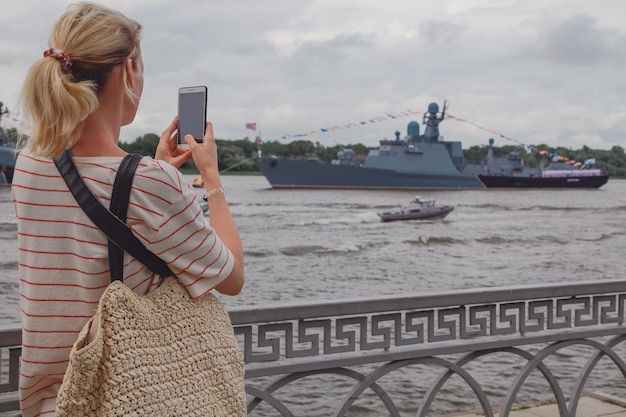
[[535, 70], [438, 32], [578, 41]]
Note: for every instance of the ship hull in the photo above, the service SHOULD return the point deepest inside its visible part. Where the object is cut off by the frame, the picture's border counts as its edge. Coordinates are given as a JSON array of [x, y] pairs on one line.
[[498, 181], [294, 173], [7, 164]]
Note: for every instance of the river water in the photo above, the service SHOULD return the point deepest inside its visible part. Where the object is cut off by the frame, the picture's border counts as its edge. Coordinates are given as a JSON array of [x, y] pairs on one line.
[[305, 245]]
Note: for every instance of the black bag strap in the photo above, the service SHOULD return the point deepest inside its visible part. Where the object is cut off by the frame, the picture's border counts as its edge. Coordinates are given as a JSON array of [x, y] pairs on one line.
[[116, 229], [120, 199]]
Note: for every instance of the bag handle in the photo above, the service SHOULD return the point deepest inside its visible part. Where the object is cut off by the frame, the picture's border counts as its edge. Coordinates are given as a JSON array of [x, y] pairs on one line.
[[113, 227]]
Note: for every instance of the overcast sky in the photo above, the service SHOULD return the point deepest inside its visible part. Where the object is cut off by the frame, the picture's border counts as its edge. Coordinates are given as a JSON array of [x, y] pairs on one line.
[[536, 71]]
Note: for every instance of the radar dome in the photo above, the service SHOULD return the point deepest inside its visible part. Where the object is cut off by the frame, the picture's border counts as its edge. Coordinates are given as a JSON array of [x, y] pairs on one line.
[[433, 108], [345, 154], [413, 129]]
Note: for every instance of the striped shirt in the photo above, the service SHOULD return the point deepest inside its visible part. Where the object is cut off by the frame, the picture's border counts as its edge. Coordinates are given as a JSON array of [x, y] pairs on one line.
[[63, 258]]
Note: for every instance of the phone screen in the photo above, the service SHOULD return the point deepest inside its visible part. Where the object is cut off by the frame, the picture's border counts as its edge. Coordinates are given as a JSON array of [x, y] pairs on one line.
[[191, 113]]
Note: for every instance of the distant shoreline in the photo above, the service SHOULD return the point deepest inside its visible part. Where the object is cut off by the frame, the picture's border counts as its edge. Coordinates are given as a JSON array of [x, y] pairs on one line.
[[190, 171]]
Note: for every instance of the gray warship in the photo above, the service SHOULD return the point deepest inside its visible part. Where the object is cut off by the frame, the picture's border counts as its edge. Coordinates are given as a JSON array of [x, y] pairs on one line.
[[417, 161]]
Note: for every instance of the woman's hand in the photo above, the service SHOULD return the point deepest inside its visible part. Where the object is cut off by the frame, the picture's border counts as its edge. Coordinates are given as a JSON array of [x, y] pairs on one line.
[[167, 150], [205, 157]]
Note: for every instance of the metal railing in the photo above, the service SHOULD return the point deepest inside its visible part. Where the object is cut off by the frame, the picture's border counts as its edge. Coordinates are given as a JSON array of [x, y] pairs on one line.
[[353, 353]]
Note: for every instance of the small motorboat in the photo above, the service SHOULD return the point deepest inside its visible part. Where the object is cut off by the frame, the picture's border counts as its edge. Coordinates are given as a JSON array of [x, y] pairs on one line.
[[197, 183], [417, 209]]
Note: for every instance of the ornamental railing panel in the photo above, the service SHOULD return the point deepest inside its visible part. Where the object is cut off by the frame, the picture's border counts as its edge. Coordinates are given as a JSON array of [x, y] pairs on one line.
[[356, 353]]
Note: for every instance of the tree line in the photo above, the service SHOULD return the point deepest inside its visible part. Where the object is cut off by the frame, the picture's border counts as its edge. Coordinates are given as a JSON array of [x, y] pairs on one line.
[[238, 155]]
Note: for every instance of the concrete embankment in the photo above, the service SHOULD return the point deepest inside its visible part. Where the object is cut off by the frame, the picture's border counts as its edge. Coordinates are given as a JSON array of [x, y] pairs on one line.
[[596, 404]]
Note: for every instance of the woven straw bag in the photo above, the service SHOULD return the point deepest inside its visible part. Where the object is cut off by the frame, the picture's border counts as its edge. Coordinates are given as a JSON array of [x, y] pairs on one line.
[[157, 355], [162, 354]]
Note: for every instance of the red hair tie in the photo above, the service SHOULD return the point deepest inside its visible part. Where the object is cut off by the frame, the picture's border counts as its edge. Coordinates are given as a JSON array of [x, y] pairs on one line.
[[61, 56]]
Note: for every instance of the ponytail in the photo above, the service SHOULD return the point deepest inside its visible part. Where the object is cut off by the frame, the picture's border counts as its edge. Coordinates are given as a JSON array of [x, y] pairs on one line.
[[61, 89]]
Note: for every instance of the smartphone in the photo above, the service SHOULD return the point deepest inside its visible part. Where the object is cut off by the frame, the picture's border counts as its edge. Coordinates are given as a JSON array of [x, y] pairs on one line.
[[191, 113]]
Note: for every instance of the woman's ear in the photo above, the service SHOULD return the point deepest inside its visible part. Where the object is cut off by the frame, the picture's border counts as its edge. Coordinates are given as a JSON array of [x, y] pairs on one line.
[[130, 75]]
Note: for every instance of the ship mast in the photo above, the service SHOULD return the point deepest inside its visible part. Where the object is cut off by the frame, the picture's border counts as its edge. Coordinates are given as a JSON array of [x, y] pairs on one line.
[[431, 133]]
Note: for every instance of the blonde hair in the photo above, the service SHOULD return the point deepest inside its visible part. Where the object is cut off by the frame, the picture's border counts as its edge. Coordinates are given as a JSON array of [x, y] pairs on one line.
[[57, 100]]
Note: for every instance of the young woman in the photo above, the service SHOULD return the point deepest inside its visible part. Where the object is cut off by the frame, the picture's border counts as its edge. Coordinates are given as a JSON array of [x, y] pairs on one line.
[[86, 86]]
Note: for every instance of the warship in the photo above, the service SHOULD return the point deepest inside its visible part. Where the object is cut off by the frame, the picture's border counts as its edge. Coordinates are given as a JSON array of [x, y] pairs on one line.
[[511, 172], [414, 162], [7, 162], [7, 153], [417, 161]]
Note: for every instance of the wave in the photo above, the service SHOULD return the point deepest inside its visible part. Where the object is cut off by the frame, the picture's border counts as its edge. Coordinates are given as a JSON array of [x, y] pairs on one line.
[[603, 237], [484, 206], [8, 226], [257, 254], [299, 219], [325, 251], [594, 210], [557, 208], [542, 207], [6, 197], [309, 205], [356, 218], [617, 209], [498, 240], [304, 250], [552, 239], [429, 241], [13, 265]]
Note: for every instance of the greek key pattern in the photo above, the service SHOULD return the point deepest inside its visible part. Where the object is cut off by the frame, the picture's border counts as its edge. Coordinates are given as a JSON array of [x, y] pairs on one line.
[[388, 330]]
